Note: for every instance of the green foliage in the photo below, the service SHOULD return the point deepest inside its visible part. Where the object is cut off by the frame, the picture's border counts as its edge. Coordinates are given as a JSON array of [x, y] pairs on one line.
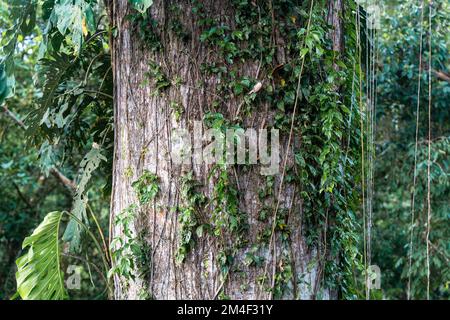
[[143, 257], [73, 94], [252, 258], [146, 187], [189, 216], [74, 109], [282, 278], [39, 275], [141, 5], [158, 77], [175, 24], [177, 109], [226, 215], [327, 159], [73, 19], [53, 71], [4, 88], [22, 15], [124, 246], [396, 126], [89, 164], [27, 194], [145, 27], [68, 107], [130, 251]]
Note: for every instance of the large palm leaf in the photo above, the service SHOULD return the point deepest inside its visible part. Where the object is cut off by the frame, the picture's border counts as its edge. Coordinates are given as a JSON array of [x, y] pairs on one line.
[[39, 276]]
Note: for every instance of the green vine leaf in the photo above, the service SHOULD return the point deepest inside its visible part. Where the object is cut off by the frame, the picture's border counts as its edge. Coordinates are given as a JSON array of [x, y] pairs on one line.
[[146, 187], [39, 276], [141, 5]]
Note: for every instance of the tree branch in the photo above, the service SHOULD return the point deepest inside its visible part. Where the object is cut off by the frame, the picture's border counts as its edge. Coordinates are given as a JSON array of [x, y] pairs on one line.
[[441, 75], [63, 179], [14, 117], [21, 195]]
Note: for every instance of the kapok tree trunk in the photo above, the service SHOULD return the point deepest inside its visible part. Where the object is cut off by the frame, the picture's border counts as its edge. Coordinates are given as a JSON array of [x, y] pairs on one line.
[[189, 61]]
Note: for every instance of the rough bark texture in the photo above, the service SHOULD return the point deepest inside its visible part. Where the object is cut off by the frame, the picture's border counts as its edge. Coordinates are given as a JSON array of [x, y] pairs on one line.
[[144, 123]]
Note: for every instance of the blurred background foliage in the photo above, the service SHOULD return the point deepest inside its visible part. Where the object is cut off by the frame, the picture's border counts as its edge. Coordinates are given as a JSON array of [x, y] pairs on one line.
[[395, 134], [41, 148]]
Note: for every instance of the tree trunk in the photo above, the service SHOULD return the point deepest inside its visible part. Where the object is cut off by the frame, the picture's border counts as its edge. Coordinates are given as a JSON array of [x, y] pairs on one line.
[[161, 85]]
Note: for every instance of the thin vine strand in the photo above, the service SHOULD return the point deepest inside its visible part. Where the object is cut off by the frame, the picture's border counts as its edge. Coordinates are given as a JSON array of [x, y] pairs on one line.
[[358, 42], [288, 144], [413, 195], [429, 154]]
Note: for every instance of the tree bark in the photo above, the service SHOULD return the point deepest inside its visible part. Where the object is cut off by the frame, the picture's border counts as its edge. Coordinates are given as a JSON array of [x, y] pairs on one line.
[[144, 124]]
